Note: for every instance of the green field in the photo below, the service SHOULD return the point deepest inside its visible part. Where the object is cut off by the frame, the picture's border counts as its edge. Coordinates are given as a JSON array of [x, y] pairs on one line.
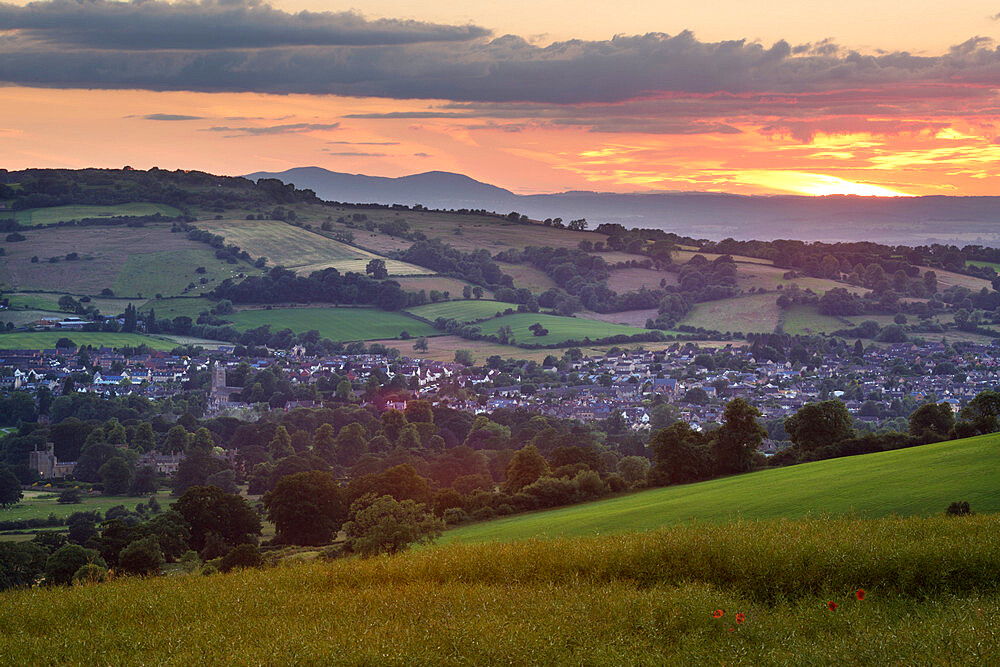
[[808, 320], [299, 249], [463, 311], [561, 329], [170, 272], [452, 286], [22, 318], [134, 262], [42, 340], [993, 265], [642, 599], [41, 502], [34, 301], [758, 313], [54, 214], [920, 480], [337, 324], [171, 308]]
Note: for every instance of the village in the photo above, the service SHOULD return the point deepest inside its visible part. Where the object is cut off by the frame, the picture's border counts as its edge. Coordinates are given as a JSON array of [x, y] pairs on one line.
[[885, 383]]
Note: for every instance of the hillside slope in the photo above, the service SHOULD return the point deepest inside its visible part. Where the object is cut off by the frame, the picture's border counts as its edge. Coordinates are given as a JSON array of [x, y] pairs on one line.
[[916, 481]]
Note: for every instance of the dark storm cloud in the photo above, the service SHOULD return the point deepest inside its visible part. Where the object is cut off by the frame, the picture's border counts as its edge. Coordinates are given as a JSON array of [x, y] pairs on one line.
[[507, 69], [668, 84], [144, 25]]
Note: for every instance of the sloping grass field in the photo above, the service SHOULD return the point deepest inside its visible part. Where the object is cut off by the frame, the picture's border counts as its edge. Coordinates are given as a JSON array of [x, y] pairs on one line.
[[561, 329], [463, 311], [54, 214], [808, 320], [915, 481], [44, 340], [129, 261], [299, 249], [337, 324], [641, 599], [757, 313]]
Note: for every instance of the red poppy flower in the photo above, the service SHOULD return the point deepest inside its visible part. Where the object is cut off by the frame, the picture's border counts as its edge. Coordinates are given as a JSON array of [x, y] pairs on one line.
[[740, 617], [860, 594], [832, 605], [731, 629], [718, 613]]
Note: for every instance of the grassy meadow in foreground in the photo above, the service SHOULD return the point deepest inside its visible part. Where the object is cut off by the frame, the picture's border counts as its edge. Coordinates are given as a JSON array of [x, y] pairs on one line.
[[916, 481], [931, 598]]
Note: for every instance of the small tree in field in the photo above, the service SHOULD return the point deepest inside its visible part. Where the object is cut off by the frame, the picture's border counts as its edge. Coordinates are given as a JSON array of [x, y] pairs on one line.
[[387, 525]]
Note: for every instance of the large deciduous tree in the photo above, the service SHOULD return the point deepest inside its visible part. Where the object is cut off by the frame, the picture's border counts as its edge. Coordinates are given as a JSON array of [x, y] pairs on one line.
[[306, 508], [208, 510], [819, 424], [736, 442]]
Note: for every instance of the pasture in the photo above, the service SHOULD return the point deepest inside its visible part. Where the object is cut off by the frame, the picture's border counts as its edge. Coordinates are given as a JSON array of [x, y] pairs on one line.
[[770, 278], [993, 265], [134, 262], [337, 324], [948, 279], [633, 318], [299, 249], [21, 318], [54, 214], [808, 320], [45, 340], [171, 308], [757, 313], [561, 329], [464, 311], [442, 348], [682, 256], [40, 502], [528, 277], [644, 599], [631, 280], [468, 233], [452, 286], [918, 481]]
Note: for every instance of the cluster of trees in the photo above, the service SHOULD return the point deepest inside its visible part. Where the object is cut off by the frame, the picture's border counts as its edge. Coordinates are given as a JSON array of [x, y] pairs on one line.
[[205, 524], [279, 285], [475, 267], [181, 189]]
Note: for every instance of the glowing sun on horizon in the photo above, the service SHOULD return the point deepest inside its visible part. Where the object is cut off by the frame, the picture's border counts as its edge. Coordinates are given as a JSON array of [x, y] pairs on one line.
[[816, 185]]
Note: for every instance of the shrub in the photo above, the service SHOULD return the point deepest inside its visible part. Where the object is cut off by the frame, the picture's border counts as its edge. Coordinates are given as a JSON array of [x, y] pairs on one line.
[[66, 560], [190, 561], [616, 483], [245, 555], [389, 526], [90, 573], [69, 497], [958, 508], [455, 515], [484, 514], [589, 485], [142, 557]]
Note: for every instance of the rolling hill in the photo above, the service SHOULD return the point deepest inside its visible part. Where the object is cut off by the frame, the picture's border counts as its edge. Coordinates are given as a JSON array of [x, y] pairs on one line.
[[897, 220], [916, 481]]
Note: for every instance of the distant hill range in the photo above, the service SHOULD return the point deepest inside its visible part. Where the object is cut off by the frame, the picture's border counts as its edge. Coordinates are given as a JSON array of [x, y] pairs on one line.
[[898, 220]]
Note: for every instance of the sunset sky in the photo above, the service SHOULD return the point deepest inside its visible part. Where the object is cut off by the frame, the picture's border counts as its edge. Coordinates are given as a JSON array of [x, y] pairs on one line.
[[871, 98]]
